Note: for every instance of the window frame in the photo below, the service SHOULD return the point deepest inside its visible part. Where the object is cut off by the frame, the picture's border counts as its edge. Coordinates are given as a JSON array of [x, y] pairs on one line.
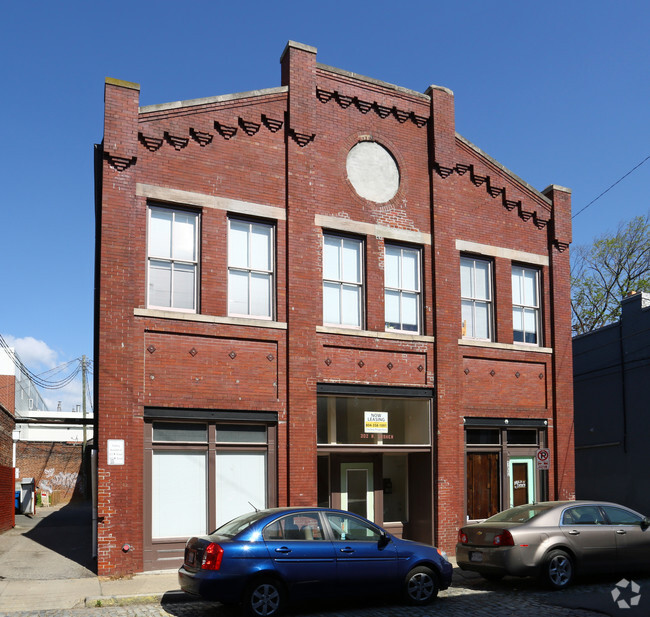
[[489, 301], [341, 282], [401, 289], [171, 260], [537, 308], [250, 271]]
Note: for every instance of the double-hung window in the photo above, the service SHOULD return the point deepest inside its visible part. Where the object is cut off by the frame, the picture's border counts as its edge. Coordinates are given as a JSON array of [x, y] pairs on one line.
[[476, 298], [250, 269], [342, 281], [402, 289], [525, 305], [173, 259]]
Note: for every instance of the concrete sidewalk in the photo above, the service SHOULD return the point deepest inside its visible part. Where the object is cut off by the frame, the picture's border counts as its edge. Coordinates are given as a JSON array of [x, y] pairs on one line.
[[46, 562]]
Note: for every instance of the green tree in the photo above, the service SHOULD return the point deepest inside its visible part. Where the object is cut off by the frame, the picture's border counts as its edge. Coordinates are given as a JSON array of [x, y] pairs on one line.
[[602, 274]]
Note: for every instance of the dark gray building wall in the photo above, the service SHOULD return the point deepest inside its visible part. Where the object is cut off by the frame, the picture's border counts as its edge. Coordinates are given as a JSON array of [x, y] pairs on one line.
[[611, 370]]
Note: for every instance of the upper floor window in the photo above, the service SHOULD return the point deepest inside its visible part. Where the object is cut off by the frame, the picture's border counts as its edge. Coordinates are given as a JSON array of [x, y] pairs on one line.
[[402, 288], [525, 305], [250, 269], [342, 281], [173, 259], [476, 297]]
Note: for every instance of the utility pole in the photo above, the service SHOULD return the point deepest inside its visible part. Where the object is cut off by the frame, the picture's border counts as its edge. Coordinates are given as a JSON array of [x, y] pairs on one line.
[[83, 399], [83, 409]]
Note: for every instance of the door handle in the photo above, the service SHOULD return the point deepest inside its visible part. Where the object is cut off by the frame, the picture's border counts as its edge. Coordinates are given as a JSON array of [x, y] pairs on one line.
[[283, 549], [347, 549], [621, 532], [574, 532]]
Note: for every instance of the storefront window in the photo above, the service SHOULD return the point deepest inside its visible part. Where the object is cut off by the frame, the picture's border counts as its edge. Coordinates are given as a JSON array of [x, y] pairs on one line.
[[179, 478], [240, 483], [395, 481], [360, 420], [189, 491]]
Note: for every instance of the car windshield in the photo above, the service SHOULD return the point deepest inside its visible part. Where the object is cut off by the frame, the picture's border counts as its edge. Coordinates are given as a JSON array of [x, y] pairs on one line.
[[237, 525], [519, 514]]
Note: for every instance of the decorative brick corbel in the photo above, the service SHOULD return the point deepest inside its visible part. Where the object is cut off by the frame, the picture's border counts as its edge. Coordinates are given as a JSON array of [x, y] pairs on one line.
[[302, 139], [201, 137], [401, 115], [273, 125], [343, 100], [250, 128], [178, 143], [363, 106], [382, 110], [443, 172], [150, 143], [120, 163], [419, 121], [324, 96], [227, 132]]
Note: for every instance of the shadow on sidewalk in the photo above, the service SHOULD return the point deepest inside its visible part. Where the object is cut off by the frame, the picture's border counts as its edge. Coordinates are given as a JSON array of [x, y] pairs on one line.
[[64, 539]]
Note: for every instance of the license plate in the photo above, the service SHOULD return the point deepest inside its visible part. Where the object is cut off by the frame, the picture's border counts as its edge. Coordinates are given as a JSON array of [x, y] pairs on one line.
[[476, 556]]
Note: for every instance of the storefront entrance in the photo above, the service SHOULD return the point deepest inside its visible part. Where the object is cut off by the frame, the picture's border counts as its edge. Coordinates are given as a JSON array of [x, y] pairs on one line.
[[357, 489], [375, 456], [522, 480], [500, 468]]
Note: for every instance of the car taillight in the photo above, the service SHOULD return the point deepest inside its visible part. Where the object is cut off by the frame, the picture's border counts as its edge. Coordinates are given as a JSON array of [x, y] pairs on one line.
[[212, 557], [462, 537], [503, 539]]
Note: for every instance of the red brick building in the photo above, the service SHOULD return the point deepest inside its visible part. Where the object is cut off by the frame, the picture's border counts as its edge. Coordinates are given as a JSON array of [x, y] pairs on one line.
[[320, 294]]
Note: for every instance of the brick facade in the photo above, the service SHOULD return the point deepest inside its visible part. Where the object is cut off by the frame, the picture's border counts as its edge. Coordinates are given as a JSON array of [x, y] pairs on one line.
[[56, 468], [279, 156]]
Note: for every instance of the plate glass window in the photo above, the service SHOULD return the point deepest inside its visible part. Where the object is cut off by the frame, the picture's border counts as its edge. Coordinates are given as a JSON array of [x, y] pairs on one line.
[[342, 281], [402, 288], [525, 305], [173, 259], [250, 269], [476, 298]]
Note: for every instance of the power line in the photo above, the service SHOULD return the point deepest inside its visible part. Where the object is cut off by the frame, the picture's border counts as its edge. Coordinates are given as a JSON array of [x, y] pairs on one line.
[[612, 186], [37, 379]]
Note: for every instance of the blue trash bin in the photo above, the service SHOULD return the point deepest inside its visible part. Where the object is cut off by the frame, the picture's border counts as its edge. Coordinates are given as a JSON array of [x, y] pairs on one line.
[[17, 501]]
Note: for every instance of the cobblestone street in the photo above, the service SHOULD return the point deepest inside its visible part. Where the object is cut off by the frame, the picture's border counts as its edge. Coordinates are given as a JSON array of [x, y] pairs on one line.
[[470, 596]]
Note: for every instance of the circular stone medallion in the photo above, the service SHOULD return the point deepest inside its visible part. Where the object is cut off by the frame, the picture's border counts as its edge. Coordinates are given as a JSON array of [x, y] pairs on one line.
[[372, 171]]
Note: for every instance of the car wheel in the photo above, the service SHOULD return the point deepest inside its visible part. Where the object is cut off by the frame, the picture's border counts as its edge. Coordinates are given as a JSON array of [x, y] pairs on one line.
[[264, 598], [421, 586], [558, 569]]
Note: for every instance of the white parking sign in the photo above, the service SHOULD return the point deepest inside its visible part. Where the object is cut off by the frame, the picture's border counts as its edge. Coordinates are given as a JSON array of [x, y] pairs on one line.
[[543, 458]]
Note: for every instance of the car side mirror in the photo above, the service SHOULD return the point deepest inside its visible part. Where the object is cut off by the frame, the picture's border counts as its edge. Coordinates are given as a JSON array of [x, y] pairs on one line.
[[384, 539], [645, 523]]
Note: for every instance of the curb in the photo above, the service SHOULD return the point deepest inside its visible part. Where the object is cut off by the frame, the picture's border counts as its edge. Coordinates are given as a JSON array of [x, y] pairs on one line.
[[139, 598]]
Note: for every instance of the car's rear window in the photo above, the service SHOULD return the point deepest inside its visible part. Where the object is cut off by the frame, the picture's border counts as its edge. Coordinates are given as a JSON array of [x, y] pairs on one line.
[[519, 514], [237, 525]]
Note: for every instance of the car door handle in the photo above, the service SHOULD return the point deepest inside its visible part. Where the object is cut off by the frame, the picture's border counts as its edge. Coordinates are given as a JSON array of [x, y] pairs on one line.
[[621, 532], [347, 549], [574, 532], [283, 549]]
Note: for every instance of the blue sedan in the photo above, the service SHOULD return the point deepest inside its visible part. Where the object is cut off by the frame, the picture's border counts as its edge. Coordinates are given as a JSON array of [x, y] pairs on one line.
[[264, 558]]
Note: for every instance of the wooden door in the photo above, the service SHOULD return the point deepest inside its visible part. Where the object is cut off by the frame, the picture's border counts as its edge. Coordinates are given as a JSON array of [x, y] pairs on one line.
[[483, 484]]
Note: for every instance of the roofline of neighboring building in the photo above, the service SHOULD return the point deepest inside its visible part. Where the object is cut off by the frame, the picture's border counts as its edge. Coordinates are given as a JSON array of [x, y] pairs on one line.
[[50, 420]]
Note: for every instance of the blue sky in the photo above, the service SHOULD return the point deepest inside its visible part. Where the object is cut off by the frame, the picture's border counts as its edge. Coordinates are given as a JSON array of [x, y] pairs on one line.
[[557, 91]]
